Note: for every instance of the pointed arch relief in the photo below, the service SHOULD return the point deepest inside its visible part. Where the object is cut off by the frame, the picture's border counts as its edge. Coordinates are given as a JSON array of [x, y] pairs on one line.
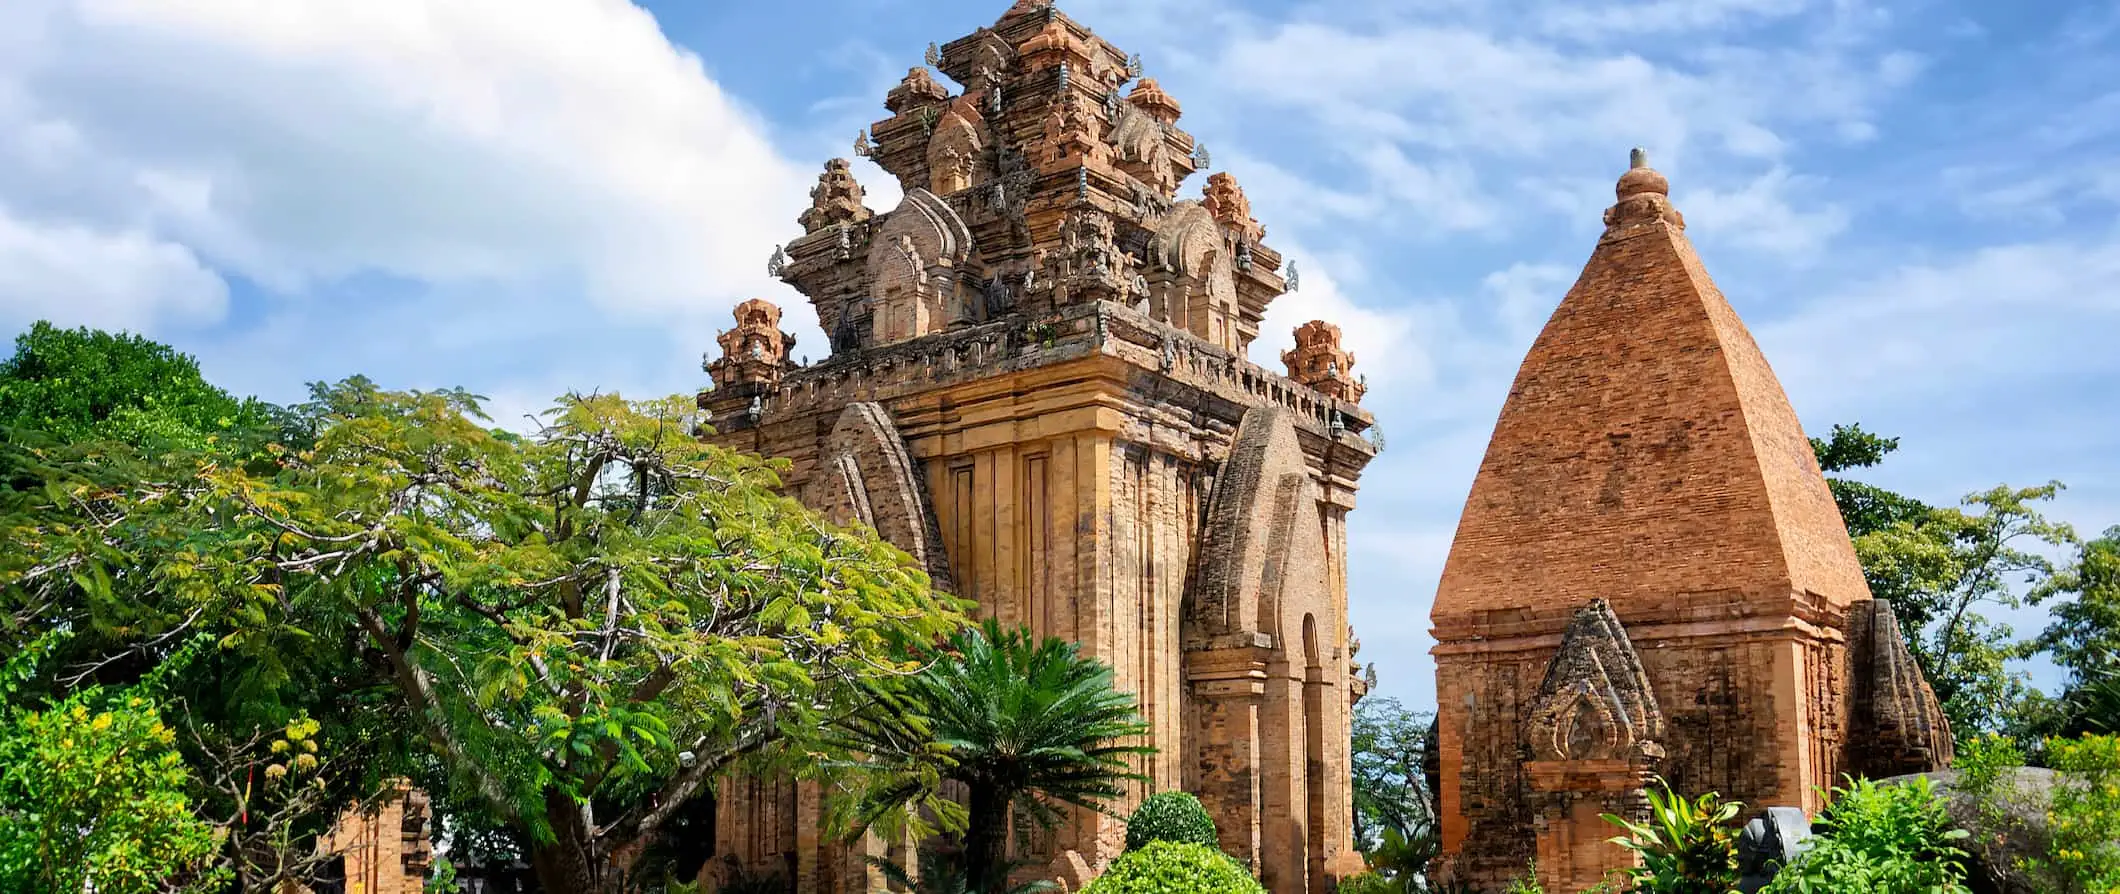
[[913, 265], [1595, 702], [1263, 564], [873, 481], [956, 151]]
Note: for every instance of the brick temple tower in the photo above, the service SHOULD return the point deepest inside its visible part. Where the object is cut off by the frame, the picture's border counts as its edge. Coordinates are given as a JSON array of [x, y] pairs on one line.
[[1038, 388], [1651, 578]]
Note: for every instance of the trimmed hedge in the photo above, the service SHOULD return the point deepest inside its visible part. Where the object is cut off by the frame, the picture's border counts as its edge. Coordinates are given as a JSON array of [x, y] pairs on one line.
[[1170, 867], [1171, 816]]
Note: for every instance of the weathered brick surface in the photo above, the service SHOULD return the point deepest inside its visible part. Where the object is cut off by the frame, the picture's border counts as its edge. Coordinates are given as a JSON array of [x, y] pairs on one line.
[[1645, 456]]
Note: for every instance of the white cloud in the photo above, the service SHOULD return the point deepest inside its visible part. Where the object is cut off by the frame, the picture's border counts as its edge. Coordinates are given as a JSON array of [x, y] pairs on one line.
[[457, 141], [72, 275], [1776, 212]]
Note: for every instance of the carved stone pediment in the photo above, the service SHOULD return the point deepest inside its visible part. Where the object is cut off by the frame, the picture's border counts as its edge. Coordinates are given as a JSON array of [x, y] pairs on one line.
[[1897, 724], [1595, 703], [870, 479]]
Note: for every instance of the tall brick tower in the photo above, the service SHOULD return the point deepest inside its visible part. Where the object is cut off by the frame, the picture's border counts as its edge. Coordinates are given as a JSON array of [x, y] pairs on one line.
[[1038, 388], [1651, 578]]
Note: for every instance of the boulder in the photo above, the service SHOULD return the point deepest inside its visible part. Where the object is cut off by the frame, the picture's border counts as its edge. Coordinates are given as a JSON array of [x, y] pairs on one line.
[[2019, 830]]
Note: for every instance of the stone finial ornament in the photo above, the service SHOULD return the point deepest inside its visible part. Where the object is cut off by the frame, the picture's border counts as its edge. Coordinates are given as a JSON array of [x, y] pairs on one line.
[[835, 200], [1226, 201], [917, 89], [1148, 96], [1644, 199], [756, 351], [1318, 362]]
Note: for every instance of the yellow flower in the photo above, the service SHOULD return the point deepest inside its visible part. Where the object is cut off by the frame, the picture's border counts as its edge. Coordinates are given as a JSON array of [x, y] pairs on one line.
[[101, 723]]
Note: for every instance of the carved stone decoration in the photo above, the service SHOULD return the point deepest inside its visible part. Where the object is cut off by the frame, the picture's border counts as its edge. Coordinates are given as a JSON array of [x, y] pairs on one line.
[[1149, 97], [1094, 267], [1243, 256], [1897, 726], [1226, 200], [955, 149], [862, 147], [912, 267], [1201, 160], [1595, 703], [756, 351], [835, 200], [997, 297], [1319, 362], [917, 89], [1644, 199], [873, 481], [778, 263], [1593, 738], [1292, 277], [1133, 66]]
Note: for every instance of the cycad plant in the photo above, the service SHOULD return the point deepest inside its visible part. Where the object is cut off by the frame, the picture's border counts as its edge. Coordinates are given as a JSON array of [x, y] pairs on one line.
[[1023, 725], [1686, 847]]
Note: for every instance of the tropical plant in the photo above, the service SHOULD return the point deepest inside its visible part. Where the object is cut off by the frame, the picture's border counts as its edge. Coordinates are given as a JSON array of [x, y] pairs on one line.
[[1170, 816], [72, 385], [1023, 725], [1685, 847], [942, 871], [1171, 867], [1388, 746], [1527, 883], [1369, 883], [1403, 859], [1891, 839]]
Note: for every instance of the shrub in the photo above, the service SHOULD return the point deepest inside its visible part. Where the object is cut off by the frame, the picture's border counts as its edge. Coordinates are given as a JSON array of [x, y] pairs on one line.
[[1170, 867], [1369, 883], [1685, 847], [1171, 816], [1884, 838], [2085, 818], [1526, 883]]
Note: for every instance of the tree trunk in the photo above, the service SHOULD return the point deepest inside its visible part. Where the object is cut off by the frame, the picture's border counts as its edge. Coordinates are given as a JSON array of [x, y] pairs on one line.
[[569, 863], [985, 835]]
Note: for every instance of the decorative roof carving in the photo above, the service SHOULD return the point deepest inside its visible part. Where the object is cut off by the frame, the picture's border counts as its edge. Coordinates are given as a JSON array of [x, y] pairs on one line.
[[1897, 726], [1318, 361], [1227, 202], [918, 88], [1055, 39], [872, 480], [1149, 97], [1644, 199], [756, 351], [1595, 702], [836, 199]]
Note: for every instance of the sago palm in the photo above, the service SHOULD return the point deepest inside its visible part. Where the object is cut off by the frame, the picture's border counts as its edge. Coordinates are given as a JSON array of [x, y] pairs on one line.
[[1020, 724]]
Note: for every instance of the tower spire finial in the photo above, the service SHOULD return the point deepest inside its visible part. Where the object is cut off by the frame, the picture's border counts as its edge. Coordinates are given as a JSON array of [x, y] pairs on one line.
[[1639, 158]]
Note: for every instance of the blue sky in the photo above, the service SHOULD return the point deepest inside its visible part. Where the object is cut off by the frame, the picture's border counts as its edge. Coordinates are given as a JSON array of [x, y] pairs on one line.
[[1912, 203]]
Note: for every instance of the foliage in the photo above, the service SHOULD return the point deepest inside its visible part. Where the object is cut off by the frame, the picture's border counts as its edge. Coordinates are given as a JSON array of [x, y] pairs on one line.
[[1022, 724], [1388, 746], [942, 871], [2084, 636], [2085, 818], [566, 636], [1883, 838], [1941, 567], [1170, 816], [1685, 847], [92, 796], [1404, 859], [82, 385], [1369, 883], [1526, 883], [1170, 867]]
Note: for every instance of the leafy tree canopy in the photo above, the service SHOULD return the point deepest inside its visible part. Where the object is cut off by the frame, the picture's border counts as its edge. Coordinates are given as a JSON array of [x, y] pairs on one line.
[[82, 384]]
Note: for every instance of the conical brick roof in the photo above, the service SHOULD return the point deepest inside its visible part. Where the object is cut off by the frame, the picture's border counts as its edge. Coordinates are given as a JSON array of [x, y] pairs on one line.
[[1646, 455]]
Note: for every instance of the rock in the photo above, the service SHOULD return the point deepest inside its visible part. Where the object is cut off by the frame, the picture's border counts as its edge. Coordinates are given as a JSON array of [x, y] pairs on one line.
[[2022, 831], [1770, 841]]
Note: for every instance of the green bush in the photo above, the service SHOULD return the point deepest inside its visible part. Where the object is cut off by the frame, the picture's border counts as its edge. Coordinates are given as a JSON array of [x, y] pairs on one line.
[[1368, 883], [1170, 867], [2085, 821], [1884, 838], [1171, 816], [1685, 847]]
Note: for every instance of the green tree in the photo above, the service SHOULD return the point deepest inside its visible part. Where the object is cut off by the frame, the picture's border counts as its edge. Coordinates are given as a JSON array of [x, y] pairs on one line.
[[574, 633], [1389, 746], [2084, 636], [1024, 725], [1942, 568], [74, 385]]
